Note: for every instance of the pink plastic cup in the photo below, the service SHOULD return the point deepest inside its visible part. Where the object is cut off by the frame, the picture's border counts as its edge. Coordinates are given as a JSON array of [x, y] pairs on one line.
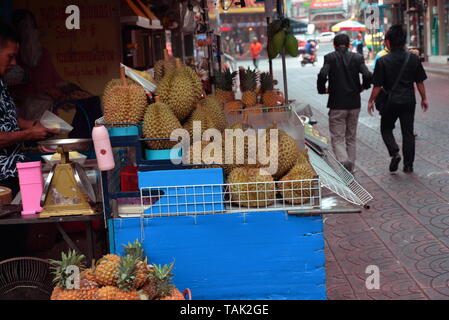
[[31, 186]]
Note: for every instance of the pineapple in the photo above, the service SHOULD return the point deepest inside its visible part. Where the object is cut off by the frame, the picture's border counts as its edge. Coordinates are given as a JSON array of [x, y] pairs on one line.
[[126, 275], [224, 82], [270, 97], [107, 293], [175, 295], [136, 251], [106, 269], [248, 83], [61, 291], [159, 285]]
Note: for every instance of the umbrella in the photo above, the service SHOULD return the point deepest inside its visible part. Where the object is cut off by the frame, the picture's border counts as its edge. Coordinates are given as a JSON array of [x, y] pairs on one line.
[[348, 25]]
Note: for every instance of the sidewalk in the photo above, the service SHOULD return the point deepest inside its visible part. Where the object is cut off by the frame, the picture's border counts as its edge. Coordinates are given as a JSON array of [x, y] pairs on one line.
[[436, 68], [406, 232]]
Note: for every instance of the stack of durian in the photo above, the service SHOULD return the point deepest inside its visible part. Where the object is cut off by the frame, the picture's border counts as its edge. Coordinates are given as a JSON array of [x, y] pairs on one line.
[[181, 101], [251, 185]]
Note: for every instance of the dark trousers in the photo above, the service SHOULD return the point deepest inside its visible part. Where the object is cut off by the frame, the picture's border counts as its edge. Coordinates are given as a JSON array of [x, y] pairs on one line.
[[256, 63], [406, 115]]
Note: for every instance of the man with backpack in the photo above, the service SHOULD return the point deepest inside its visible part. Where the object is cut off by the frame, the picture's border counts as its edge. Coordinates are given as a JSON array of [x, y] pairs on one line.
[[394, 96], [342, 69]]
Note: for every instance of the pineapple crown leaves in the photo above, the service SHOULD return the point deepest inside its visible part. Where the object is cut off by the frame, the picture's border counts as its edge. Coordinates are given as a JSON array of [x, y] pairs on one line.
[[224, 80], [266, 81], [126, 273], [162, 272], [135, 250], [60, 267], [249, 80]]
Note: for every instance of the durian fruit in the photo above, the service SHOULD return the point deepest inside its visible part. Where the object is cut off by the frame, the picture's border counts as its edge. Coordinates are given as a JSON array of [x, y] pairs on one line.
[[287, 152], [210, 112], [216, 108], [250, 188], [224, 82], [124, 103], [239, 156], [292, 187], [303, 157], [180, 90], [199, 162], [159, 123], [204, 116], [113, 83], [248, 83], [163, 67]]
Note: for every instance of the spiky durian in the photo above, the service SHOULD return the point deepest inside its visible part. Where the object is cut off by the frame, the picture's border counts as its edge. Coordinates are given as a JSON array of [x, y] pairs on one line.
[[163, 67], [159, 123], [297, 186], [250, 188], [216, 108], [287, 152], [124, 104]]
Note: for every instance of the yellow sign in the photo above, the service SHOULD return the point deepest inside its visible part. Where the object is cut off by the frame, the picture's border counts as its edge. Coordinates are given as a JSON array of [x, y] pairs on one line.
[[88, 57]]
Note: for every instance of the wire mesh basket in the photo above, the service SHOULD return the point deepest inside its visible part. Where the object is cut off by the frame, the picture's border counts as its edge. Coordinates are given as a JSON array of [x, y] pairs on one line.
[[230, 198], [336, 178], [25, 279]]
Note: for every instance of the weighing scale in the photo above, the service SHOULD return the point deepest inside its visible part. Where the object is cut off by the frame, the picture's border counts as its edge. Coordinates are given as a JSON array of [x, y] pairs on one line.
[[67, 190]]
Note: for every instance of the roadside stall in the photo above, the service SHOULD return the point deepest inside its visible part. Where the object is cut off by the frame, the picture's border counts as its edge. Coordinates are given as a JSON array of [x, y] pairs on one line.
[[220, 197]]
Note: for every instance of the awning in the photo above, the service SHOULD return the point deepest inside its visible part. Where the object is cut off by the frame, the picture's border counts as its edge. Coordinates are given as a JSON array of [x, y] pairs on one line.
[[348, 25], [136, 13]]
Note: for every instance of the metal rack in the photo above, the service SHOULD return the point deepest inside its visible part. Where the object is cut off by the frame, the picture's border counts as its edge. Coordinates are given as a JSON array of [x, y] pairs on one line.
[[337, 179], [230, 198]]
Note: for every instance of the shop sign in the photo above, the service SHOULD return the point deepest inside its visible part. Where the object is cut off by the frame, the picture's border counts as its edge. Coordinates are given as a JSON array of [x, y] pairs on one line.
[[324, 4], [88, 55]]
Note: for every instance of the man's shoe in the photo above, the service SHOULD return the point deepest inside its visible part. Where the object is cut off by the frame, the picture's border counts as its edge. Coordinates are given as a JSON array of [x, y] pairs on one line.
[[408, 169], [394, 164], [348, 165]]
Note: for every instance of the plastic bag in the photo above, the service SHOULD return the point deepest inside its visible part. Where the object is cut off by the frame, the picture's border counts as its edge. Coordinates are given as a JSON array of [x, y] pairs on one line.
[[51, 121]]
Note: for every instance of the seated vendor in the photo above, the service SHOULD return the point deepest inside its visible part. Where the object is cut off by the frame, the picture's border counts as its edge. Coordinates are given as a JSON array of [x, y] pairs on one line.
[[13, 131]]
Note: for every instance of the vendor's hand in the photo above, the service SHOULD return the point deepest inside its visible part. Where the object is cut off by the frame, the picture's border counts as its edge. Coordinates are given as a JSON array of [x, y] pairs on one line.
[[39, 132], [370, 108]]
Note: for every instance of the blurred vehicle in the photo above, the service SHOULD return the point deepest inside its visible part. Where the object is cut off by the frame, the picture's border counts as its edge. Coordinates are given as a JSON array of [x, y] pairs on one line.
[[308, 59], [326, 37], [302, 41]]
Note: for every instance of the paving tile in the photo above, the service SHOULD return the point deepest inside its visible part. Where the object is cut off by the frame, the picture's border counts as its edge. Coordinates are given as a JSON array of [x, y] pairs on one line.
[[406, 231]]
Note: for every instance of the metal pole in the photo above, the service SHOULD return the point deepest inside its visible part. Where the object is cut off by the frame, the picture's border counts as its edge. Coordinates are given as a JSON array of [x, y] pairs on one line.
[[284, 75], [280, 8], [270, 62]]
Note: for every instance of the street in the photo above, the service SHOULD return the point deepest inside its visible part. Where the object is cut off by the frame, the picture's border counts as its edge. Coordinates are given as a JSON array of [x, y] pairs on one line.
[[405, 234]]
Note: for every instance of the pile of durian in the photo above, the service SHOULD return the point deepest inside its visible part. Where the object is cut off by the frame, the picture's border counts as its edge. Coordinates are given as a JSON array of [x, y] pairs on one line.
[[180, 101], [250, 185]]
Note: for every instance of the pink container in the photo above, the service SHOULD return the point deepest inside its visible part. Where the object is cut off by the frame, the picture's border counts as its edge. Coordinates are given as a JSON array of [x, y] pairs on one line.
[[31, 186], [103, 149]]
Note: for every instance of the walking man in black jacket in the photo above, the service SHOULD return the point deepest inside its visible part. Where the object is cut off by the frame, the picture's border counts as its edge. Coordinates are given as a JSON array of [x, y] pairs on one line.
[[342, 69], [402, 101]]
